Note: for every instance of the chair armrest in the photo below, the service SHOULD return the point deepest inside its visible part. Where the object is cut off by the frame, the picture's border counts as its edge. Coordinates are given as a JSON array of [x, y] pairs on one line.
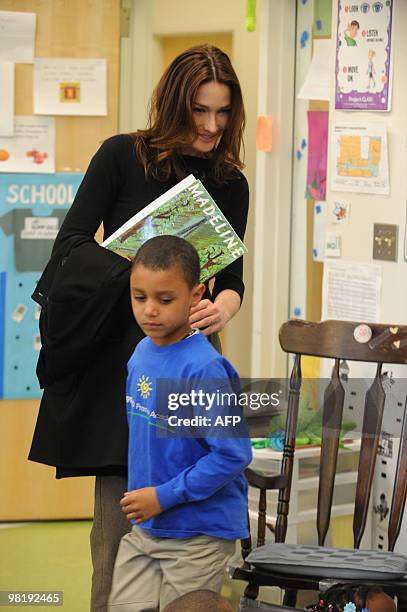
[[260, 481]]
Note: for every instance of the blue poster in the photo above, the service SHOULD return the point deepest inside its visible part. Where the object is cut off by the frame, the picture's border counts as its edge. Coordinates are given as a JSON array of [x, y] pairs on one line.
[[32, 208]]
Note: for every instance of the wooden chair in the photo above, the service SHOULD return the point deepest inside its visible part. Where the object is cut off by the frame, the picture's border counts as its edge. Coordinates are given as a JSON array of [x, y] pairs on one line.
[[333, 339]]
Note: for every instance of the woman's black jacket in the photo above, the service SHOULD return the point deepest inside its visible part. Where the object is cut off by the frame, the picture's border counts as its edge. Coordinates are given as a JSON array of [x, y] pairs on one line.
[[88, 334]]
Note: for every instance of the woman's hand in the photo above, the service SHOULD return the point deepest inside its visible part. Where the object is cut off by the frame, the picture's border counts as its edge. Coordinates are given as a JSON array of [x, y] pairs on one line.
[[208, 316], [211, 317]]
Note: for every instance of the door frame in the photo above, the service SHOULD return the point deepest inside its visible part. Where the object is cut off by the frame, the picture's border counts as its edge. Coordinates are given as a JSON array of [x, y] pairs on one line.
[[274, 170]]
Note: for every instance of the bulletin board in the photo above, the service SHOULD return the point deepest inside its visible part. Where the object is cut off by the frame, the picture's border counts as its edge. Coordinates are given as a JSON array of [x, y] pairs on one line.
[[32, 208], [65, 29]]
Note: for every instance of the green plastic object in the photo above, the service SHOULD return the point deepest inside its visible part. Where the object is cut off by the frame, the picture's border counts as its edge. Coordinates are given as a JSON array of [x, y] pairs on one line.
[[250, 15], [261, 442], [309, 425], [309, 429]]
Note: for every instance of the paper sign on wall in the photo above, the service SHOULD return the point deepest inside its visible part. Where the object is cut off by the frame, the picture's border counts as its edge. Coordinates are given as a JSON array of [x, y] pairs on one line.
[[17, 37], [363, 55], [339, 211], [351, 291], [31, 149], [7, 98], [333, 244], [316, 84], [70, 86], [359, 159]]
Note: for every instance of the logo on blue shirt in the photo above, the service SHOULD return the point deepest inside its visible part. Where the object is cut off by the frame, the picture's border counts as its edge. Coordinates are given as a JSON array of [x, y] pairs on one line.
[[144, 386]]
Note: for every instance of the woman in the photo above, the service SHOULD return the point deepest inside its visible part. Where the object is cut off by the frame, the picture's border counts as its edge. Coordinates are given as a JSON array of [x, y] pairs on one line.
[[195, 126]]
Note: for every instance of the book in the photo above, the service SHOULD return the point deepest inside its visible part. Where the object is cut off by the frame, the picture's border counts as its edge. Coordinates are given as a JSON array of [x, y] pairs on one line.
[[188, 211]]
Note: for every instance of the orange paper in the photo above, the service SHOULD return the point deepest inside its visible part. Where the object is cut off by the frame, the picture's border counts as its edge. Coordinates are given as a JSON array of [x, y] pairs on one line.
[[264, 133]]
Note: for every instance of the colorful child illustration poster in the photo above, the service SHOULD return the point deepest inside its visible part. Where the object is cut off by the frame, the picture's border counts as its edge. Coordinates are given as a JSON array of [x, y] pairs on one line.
[[317, 155], [363, 55]]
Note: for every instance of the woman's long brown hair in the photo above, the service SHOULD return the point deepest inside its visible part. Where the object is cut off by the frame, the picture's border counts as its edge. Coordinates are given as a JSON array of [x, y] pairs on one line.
[[171, 126]]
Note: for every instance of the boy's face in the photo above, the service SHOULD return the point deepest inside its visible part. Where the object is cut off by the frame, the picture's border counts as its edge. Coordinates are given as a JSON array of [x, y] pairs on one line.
[[161, 301]]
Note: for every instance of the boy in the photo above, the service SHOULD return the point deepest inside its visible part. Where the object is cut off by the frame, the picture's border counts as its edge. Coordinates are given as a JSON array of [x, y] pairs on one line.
[[187, 496]]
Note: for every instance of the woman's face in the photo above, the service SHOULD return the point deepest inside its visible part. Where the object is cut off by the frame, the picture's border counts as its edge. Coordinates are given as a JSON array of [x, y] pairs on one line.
[[210, 112]]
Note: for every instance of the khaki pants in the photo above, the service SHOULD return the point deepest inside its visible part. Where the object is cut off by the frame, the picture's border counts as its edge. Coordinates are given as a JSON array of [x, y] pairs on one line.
[[151, 572]]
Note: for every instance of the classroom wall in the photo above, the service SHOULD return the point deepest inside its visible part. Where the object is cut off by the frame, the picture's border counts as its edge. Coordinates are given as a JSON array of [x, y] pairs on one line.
[[357, 236], [279, 170]]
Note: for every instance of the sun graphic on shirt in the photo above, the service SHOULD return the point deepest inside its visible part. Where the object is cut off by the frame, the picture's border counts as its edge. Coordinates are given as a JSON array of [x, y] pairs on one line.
[[144, 386]]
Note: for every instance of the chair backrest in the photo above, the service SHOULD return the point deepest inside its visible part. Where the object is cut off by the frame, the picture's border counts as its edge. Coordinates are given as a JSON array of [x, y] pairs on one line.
[[344, 340]]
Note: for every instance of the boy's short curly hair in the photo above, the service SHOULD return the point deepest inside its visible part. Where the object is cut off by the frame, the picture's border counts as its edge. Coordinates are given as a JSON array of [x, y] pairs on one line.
[[165, 252]]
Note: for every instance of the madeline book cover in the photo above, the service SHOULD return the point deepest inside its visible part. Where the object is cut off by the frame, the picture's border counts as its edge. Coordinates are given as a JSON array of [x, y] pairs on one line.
[[188, 211]]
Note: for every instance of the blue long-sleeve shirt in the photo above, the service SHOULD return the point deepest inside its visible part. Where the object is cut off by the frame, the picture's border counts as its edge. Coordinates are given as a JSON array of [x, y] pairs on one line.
[[199, 480]]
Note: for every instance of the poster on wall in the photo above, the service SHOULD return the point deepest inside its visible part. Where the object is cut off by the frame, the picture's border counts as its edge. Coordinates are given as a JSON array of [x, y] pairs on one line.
[[351, 291], [317, 155], [70, 86], [31, 148], [364, 55], [359, 158], [7, 98], [32, 208], [17, 36], [317, 82]]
